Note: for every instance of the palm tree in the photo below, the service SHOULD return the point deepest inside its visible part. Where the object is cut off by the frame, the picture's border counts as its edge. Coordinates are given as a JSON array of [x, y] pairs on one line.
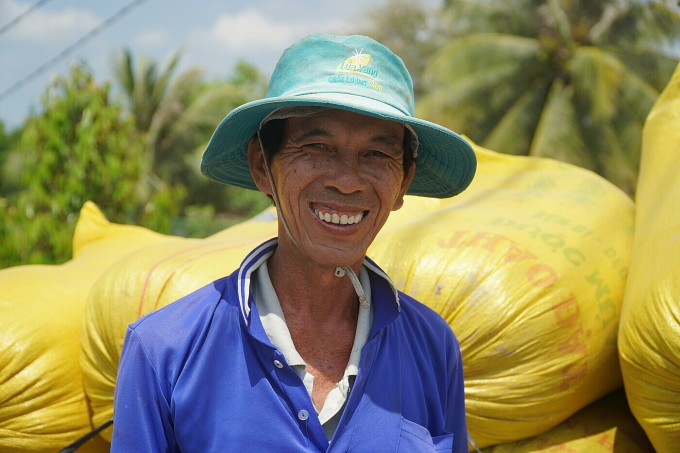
[[177, 115], [411, 29], [573, 80]]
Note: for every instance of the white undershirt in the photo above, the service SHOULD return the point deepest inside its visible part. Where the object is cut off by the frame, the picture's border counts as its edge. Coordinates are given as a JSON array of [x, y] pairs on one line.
[[273, 321]]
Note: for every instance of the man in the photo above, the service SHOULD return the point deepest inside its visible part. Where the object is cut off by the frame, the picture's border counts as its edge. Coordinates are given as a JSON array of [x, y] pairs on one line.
[[308, 346]]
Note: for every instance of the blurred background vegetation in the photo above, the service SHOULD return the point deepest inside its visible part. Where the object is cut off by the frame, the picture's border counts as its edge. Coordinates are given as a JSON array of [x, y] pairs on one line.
[[567, 79]]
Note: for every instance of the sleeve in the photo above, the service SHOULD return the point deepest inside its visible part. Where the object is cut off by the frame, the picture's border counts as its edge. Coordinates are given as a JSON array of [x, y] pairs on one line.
[[455, 420], [141, 413]]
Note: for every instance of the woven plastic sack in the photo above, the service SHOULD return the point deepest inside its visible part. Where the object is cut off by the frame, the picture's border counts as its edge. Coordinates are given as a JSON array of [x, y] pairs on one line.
[[148, 279], [605, 426], [42, 403], [564, 275], [649, 339], [528, 267]]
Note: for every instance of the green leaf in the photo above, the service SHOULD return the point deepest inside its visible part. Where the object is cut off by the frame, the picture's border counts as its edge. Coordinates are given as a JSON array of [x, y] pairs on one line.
[[558, 134]]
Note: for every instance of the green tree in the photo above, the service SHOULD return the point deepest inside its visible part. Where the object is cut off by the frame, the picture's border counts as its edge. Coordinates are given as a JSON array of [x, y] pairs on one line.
[[177, 115], [8, 143], [411, 29], [216, 100], [81, 148], [573, 80]]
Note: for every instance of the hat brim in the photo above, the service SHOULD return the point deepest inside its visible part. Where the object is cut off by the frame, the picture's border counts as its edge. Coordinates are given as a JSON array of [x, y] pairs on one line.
[[445, 165]]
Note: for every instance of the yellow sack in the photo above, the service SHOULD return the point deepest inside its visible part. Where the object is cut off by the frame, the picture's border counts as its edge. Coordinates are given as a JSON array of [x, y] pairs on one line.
[[43, 406], [605, 426], [528, 267], [146, 280], [151, 278], [649, 338]]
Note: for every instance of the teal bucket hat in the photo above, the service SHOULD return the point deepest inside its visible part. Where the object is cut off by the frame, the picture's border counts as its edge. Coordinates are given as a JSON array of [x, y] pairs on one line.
[[352, 73]]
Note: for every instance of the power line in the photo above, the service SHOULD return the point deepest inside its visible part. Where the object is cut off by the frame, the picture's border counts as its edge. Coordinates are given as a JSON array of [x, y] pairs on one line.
[[64, 53], [18, 19]]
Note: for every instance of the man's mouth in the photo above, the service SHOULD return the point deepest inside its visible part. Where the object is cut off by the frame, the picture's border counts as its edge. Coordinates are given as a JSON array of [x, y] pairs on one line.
[[338, 219]]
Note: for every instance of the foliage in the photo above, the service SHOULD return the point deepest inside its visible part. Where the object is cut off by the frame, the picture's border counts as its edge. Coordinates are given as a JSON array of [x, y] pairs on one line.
[[177, 117], [202, 221], [8, 142], [573, 80], [566, 79], [137, 158], [79, 149], [8, 139], [411, 29]]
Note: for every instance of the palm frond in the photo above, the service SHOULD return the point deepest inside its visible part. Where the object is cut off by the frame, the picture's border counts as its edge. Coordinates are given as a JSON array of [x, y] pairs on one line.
[[171, 109], [476, 78], [124, 72], [615, 161], [512, 134], [654, 64], [554, 17], [161, 81], [515, 17], [629, 22], [596, 76], [636, 96], [558, 134]]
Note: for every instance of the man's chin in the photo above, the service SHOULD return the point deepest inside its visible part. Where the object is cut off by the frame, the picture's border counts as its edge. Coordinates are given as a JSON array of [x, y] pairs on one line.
[[332, 256]]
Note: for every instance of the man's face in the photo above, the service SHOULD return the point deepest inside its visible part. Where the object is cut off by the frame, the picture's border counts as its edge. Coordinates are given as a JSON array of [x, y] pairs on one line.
[[338, 175]]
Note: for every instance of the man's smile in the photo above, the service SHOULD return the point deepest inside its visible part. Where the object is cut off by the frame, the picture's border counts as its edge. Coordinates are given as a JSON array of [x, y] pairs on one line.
[[339, 220], [338, 216]]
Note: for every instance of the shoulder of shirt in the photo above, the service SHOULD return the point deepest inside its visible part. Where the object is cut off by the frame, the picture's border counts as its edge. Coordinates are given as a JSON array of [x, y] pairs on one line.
[[189, 311], [417, 312], [173, 334]]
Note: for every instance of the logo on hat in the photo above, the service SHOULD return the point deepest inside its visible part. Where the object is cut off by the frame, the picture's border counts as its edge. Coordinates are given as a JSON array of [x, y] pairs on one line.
[[357, 64]]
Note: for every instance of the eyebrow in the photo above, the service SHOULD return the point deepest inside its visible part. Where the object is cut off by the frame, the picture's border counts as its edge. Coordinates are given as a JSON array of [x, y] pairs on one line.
[[319, 132], [311, 133]]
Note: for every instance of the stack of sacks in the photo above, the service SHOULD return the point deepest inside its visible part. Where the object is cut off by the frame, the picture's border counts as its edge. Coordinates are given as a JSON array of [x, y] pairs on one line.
[[151, 278], [528, 267], [649, 338], [43, 406], [146, 280], [605, 426]]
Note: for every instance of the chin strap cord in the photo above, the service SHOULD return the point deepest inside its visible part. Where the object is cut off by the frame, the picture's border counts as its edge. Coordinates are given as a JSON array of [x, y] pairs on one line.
[[275, 193], [363, 300]]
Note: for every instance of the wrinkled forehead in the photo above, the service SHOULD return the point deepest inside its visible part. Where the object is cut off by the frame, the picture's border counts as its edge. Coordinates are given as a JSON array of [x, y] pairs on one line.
[[327, 112]]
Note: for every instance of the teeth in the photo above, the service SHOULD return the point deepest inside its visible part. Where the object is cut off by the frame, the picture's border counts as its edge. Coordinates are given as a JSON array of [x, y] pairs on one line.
[[339, 220]]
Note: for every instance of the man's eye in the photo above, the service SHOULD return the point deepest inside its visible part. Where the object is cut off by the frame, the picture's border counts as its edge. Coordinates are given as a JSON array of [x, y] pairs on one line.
[[315, 146], [378, 154]]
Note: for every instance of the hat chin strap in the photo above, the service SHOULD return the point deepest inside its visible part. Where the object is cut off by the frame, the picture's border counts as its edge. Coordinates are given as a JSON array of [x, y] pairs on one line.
[[340, 271]]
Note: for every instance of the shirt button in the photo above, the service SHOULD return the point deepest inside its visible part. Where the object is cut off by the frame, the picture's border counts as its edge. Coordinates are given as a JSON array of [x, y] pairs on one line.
[[303, 415], [278, 364]]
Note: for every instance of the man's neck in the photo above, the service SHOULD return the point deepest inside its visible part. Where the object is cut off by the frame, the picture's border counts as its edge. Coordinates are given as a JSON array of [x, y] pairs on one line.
[[309, 293], [321, 312]]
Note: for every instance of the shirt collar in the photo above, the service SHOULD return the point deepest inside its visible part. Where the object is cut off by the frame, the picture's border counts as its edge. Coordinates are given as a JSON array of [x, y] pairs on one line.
[[273, 320], [271, 315], [260, 254]]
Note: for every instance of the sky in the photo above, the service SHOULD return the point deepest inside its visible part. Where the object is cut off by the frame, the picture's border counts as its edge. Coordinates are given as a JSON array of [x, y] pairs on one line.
[[211, 34]]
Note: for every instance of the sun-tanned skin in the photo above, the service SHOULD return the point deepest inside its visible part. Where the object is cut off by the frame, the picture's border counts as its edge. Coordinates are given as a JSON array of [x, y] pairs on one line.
[[338, 175]]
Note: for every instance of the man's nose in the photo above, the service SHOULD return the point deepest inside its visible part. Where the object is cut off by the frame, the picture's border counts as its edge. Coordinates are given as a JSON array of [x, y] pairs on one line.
[[345, 176]]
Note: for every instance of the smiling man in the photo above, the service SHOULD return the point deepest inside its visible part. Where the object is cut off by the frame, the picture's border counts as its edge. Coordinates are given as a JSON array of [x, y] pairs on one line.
[[308, 346]]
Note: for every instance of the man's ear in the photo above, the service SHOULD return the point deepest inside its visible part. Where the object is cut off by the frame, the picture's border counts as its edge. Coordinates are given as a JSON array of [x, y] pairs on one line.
[[405, 183], [256, 163]]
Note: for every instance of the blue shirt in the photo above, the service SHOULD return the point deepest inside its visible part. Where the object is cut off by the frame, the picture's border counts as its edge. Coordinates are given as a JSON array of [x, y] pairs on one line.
[[200, 375]]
